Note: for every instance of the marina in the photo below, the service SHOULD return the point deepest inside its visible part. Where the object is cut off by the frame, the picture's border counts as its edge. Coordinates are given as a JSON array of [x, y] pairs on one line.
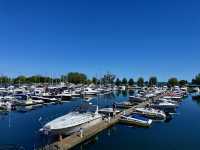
[[99, 75], [111, 117]]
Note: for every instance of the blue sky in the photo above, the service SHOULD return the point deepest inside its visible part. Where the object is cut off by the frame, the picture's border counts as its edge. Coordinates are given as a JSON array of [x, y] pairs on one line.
[[128, 38]]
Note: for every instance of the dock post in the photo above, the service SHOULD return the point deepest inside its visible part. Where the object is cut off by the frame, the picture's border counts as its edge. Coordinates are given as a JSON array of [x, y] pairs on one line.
[[81, 132], [124, 113], [61, 143], [109, 118]]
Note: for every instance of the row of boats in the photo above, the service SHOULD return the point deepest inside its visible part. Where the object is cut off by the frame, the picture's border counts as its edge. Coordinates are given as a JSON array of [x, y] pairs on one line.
[[12, 96], [159, 104]]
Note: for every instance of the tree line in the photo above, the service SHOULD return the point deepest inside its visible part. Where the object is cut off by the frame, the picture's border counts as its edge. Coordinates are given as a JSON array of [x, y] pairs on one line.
[[81, 78]]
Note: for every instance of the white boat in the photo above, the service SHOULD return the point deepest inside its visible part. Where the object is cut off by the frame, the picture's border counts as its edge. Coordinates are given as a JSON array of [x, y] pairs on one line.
[[6, 105], [72, 122], [152, 113], [74, 94], [136, 98], [172, 97], [63, 96], [164, 105], [108, 110], [136, 119], [90, 91], [168, 100]]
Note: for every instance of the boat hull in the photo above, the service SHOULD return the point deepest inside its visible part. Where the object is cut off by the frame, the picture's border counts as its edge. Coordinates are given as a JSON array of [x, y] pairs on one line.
[[73, 129]]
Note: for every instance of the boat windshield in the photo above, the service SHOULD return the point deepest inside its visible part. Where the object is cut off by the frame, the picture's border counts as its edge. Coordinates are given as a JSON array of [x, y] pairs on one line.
[[85, 107]]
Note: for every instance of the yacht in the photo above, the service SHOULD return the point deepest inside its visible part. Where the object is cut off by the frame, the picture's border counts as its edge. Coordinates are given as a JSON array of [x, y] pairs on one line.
[[90, 91], [136, 98], [136, 119], [164, 105], [151, 113], [63, 96], [72, 122]]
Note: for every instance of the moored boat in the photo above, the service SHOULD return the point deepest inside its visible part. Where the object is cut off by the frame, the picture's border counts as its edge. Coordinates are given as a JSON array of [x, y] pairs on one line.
[[136, 119], [151, 113], [72, 122]]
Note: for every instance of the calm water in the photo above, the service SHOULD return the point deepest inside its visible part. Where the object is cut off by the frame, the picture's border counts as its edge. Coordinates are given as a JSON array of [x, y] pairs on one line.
[[182, 132]]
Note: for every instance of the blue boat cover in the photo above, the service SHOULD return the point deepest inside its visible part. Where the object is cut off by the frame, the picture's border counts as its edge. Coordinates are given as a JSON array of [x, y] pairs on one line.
[[140, 117]]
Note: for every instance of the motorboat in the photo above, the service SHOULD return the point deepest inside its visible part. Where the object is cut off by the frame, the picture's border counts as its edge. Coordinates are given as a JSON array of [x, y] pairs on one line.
[[167, 100], [196, 96], [136, 98], [63, 96], [164, 105], [109, 111], [73, 122], [136, 119], [151, 113], [90, 91], [74, 94], [125, 104]]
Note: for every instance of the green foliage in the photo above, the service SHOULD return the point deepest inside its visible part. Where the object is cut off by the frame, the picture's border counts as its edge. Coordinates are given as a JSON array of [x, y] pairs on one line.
[[20, 80], [118, 82], [4, 79], [124, 81], [108, 78], [182, 82], [140, 82], [76, 77], [94, 80], [131, 82], [196, 80], [152, 81], [63, 78], [173, 82]]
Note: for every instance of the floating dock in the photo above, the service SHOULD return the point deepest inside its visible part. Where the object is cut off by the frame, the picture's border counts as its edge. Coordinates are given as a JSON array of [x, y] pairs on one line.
[[76, 138]]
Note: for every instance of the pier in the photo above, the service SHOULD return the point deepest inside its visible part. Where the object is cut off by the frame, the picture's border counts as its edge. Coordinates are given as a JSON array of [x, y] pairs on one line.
[[78, 138]]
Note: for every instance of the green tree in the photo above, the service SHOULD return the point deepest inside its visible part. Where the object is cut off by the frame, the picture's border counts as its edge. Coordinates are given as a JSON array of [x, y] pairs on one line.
[[4, 80], [76, 77], [124, 81], [182, 83], [108, 78], [63, 78], [140, 82], [118, 82], [131, 82], [20, 80], [94, 80], [196, 80], [173, 82], [152, 81]]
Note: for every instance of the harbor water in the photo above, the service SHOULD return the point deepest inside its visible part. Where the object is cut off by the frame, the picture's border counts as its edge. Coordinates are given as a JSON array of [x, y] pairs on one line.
[[20, 129]]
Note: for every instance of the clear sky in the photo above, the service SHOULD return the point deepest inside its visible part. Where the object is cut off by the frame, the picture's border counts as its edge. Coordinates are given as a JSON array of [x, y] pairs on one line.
[[128, 38]]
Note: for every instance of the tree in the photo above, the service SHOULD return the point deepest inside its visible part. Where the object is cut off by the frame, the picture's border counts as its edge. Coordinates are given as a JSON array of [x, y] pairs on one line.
[[124, 81], [140, 82], [117, 82], [76, 77], [196, 80], [152, 81], [131, 82], [182, 83], [108, 78], [20, 80], [173, 82], [4, 80], [63, 78], [94, 80]]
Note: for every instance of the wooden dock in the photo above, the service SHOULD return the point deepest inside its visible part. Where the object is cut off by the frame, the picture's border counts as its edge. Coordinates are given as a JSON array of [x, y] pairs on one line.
[[76, 138]]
